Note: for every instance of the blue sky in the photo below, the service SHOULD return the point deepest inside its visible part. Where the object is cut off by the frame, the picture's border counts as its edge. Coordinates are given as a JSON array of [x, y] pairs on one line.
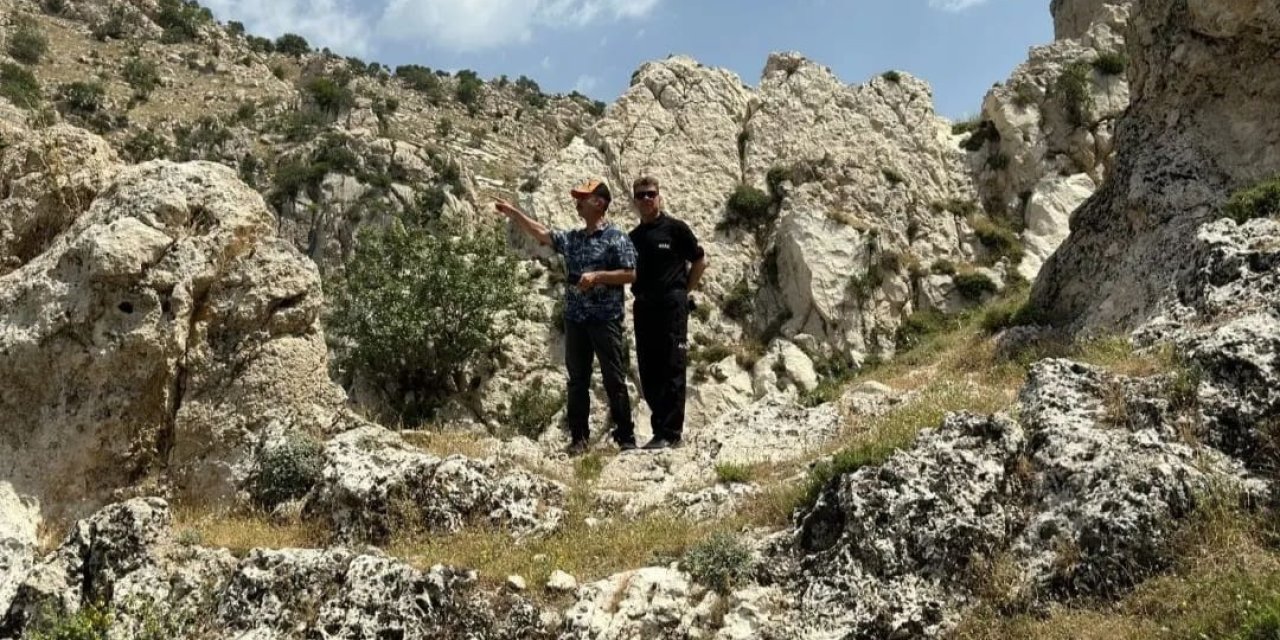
[[961, 47]]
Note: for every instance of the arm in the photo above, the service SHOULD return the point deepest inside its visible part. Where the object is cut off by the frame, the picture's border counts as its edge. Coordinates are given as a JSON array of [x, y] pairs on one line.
[[619, 276], [531, 227], [695, 272]]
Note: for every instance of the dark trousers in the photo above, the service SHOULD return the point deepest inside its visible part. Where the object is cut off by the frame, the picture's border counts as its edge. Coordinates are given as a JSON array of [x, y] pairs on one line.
[[603, 340], [662, 350]]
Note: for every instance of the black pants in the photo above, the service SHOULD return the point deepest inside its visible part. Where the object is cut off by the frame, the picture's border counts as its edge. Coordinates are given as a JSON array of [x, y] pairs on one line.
[[603, 340], [662, 350]]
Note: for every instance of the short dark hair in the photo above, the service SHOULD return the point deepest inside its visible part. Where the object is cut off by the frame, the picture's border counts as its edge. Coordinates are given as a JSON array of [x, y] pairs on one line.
[[645, 181]]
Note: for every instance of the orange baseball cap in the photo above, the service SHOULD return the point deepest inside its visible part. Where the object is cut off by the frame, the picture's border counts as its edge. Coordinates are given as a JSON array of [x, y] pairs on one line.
[[592, 188]]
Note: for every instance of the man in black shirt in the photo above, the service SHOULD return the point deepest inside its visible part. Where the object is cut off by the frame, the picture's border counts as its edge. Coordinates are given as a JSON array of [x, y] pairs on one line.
[[669, 264]]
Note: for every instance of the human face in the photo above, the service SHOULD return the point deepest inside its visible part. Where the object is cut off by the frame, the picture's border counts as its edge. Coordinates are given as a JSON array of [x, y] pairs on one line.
[[648, 201], [590, 208]]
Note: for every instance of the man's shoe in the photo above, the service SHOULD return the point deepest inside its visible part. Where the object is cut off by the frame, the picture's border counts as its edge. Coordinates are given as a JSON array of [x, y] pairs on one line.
[[657, 444], [627, 445], [576, 448]]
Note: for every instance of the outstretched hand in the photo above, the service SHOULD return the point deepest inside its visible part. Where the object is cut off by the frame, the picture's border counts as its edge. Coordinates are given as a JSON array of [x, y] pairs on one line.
[[505, 208]]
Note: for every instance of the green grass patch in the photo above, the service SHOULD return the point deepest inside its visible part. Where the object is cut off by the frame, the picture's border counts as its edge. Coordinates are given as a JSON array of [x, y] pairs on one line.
[[1111, 63], [1259, 201], [729, 473]]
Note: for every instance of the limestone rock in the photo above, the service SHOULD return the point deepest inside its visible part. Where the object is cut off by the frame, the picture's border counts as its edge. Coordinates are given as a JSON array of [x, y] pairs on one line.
[[375, 483], [1048, 216], [163, 328], [1184, 146], [561, 581]]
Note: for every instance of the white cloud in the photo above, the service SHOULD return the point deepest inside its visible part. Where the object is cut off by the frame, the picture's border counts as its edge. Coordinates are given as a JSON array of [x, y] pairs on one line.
[[546, 62], [324, 23], [586, 84], [469, 25], [955, 5]]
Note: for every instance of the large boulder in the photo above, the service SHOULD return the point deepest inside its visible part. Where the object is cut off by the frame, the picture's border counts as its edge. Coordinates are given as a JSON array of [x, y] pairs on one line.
[[1202, 125], [156, 336]]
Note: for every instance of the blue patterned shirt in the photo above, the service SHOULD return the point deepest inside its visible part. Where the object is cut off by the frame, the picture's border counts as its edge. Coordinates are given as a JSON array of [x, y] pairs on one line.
[[608, 249]]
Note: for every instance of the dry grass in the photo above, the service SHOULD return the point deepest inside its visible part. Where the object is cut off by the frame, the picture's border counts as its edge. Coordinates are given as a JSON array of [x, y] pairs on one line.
[[1224, 584], [613, 545], [240, 532], [445, 443]]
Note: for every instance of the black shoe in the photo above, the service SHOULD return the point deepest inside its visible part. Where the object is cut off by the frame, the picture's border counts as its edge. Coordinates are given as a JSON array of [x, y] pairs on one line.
[[576, 448], [656, 444], [627, 445]]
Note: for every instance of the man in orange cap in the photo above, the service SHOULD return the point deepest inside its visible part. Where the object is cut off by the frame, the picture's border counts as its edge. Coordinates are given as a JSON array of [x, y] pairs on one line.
[[599, 260]]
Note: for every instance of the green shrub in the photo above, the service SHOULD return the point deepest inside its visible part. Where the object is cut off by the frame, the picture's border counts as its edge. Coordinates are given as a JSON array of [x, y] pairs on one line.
[[999, 241], [729, 473], [54, 7], [748, 207], [892, 76], [1259, 201], [246, 112], [532, 409], [844, 462], [1073, 88], [182, 20], [287, 471], [596, 108], [918, 326], [468, 90], [998, 161], [235, 28], [719, 562], [83, 98], [294, 178], [259, 44], [422, 80], [740, 301], [588, 467], [1111, 63], [943, 267], [329, 96], [142, 75], [420, 309], [444, 127], [115, 25], [292, 44], [89, 623], [202, 140], [985, 132], [956, 207], [19, 86], [147, 145], [28, 43], [966, 126], [974, 285]]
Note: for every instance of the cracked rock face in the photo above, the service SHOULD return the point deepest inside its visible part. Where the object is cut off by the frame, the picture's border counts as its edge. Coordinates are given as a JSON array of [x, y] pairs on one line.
[[1198, 130], [125, 558], [375, 484], [1082, 494], [161, 329]]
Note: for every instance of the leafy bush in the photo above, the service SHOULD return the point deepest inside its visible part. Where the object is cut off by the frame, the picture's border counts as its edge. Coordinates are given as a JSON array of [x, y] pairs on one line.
[[1111, 63], [292, 44], [182, 19], [28, 43], [974, 285], [983, 133], [235, 28], [19, 86], [246, 112], [422, 80], [533, 408], [287, 471], [740, 300], [1259, 201], [142, 75], [729, 473], [259, 44], [54, 7], [83, 97], [89, 623], [420, 308], [918, 326], [116, 24], [1073, 88], [718, 562], [892, 76], [468, 90], [201, 141], [956, 207], [943, 267], [330, 97], [147, 145], [966, 126], [999, 241], [748, 207]]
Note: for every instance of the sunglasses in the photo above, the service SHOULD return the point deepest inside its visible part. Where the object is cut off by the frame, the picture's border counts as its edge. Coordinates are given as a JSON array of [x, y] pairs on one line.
[[645, 195]]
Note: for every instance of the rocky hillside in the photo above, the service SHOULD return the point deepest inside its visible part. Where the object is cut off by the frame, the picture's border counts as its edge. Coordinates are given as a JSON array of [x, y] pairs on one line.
[[886, 441]]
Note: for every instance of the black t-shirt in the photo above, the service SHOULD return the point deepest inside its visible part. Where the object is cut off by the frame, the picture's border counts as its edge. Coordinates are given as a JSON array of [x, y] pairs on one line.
[[664, 249]]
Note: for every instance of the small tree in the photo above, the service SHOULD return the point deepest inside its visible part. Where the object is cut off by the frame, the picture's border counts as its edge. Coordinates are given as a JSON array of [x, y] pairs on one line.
[[468, 89], [83, 97], [142, 75], [420, 308], [748, 207], [330, 97], [28, 43], [182, 19], [292, 44]]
